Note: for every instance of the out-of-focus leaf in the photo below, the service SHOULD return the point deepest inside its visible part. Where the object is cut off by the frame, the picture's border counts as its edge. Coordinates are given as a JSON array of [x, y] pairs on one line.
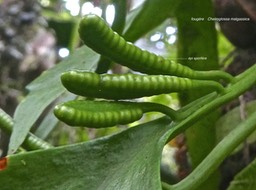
[[148, 16], [198, 39], [67, 37], [120, 15], [227, 122], [50, 121], [44, 90], [47, 125], [128, 160], [245, 180], [225, 49]]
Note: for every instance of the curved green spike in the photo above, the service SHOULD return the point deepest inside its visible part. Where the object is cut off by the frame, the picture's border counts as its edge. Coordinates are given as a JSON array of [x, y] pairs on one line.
[[129, 86], [98, 114], [96, 34]]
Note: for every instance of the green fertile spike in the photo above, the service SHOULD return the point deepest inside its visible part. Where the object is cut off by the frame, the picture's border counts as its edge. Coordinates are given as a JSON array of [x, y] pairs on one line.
[[98, 114], [97, 35], [31, 142], [129, 86], [95, 114]]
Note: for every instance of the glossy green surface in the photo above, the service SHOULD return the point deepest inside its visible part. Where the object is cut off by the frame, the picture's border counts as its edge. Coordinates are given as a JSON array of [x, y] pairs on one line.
[[97, 35], [129, 86]]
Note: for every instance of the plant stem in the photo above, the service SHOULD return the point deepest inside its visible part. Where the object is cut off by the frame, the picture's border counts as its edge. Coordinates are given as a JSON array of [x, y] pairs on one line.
[[180, 114], [243, 82], [218, 154], [215, 75]]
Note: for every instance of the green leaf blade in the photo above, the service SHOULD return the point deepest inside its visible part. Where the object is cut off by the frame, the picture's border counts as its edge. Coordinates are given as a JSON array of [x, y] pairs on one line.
[[44, 90], [128, 160]]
